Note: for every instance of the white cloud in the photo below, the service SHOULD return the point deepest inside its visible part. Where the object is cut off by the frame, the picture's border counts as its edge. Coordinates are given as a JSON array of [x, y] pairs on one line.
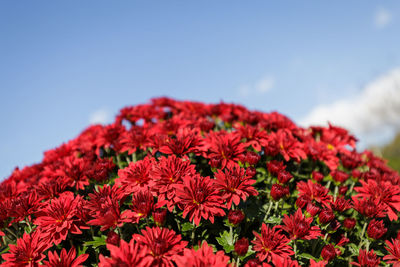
[[261, 86], [373, 114], [100, 116], [382, 18]]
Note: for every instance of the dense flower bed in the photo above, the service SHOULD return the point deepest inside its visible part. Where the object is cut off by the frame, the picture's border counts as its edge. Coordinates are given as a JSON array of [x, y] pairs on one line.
[[178, 183]]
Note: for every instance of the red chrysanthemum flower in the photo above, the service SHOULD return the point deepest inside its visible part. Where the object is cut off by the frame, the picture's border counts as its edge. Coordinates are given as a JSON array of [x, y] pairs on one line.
[[28, 251], [135, 138], [299, 227], [127, 254], [185, 141], [142, 204], [135, 176], [252, 135], [314, 191], [163, 244], [24, 205], [367, 259], [234, 184], [165, 175], [59, 218], [198, 198], [376, 229], [385, 192], [109, 137], [75, 171], [369, 207], [202, 257], [65, 259], [271, 243], [104, 207], [394, 249], [225, 147], [283, 142]]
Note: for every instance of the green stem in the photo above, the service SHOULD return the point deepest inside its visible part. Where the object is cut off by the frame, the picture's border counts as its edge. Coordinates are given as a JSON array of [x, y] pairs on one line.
[[295, 247], [12, 233], [336, 192], [193, 233], [328, 184]]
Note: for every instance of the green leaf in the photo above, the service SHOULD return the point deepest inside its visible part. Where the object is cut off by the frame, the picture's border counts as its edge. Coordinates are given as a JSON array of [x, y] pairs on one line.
[[187, 226], [353, 249], [226, 240], [5, 250], [97, 242], [307, 256], [273, 220]]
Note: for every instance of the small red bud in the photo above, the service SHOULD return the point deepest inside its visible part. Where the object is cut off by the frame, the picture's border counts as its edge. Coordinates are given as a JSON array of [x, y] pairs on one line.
[[252, 158], [328, 252], [278, 191], [349, 223], [251, 171], [215, 162], [326, 216], [242, 246], [312, 209], [113, 238], [376, 229], [284, 177], [235, 217], [160, 216], [317, 176]]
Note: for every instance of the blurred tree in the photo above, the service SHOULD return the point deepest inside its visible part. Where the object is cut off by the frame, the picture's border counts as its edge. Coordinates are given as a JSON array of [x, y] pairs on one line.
[[391, 152]]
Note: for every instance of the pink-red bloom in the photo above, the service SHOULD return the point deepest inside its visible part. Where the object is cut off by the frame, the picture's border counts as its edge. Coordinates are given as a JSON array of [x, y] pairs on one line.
[[162, 244], [65, 259], [394, 249], [202, 257], [234, 184], [271, 243], [299, 227], [126, 254], [27, 252], [199, 199], [59, 218]]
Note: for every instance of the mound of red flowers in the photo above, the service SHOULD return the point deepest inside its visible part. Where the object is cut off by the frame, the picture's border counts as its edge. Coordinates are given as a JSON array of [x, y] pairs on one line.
[[179, 183]]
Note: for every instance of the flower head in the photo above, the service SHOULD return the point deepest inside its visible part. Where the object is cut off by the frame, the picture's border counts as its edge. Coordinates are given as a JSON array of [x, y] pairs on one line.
[[271, 243], [204, 256], [65, 259], [199, 199], [299, 227], [162, 244], [234, 184]]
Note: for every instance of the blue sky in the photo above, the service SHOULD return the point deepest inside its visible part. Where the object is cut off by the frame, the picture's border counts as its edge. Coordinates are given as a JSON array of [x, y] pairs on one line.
[[65, 64]]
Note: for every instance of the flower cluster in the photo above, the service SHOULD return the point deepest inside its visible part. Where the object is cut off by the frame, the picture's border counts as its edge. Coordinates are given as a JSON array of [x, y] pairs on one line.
[[180, 183]]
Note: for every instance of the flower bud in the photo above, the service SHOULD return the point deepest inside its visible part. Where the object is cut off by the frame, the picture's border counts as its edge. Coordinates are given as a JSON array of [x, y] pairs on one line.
[[113, 238], [160, 216], [312, 209], [349, 223], [326, 216], [252, 157], [242, 246], [343, 190], [278, 191], [284, 177], [356, 173], [253, 263], [376, 229], [339, 176], [235, 217], [328, 252], [302, 201], [317, 176], [215, 162], [251, 171], [274, 166]]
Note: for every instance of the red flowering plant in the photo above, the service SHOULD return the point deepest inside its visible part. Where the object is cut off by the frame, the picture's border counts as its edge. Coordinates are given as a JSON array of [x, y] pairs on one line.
[[179, 183]]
